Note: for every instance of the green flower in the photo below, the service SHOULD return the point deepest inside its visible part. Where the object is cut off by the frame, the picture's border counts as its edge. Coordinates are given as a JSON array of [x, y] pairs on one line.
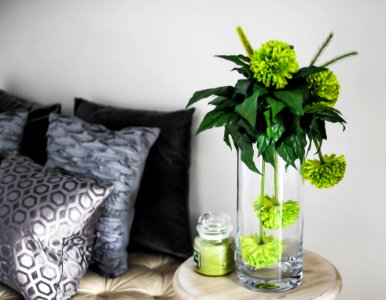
[[261, 255], [327, 173], [276, 216], [325, 85], [274, 63]]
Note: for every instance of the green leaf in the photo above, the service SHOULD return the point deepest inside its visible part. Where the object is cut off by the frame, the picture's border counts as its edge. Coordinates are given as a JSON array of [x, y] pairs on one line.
[[240, 60], [248, 109], [217, 100], [247, 127], [247, 73], [243, 144], [214, 119], [293, 99], [227, 104], [300, 143], [318, 129], [262, 142], [276, 106], [325, 113], [247, 154], [269, 154], [242, 87], [286, 151], [277, 129], [226, 136], [225, 91], [306, 71]]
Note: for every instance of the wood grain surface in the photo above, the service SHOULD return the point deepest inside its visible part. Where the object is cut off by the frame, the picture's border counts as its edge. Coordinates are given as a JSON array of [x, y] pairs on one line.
[[321, 280]]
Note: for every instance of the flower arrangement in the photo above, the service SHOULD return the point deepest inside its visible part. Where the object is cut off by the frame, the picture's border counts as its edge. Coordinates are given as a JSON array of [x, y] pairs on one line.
[[277, 109]]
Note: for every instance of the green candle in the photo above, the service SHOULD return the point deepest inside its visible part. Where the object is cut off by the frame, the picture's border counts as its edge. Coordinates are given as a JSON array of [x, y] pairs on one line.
[[214, 246]]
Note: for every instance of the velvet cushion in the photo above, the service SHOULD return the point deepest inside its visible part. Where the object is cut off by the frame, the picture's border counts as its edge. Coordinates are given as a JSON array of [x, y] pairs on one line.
[[105, 155], [161, 220], [47, 223], [34, 140], [11, 131]]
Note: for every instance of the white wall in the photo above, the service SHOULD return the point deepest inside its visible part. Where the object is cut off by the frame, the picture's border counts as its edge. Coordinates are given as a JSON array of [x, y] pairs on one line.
[[155, 54]]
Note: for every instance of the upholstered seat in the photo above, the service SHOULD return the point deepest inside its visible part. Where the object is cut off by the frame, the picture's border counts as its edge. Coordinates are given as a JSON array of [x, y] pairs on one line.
[[150, 276]]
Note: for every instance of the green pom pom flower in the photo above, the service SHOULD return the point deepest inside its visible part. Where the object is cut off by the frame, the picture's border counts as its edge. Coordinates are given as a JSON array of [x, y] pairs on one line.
[[327, 173], [261, 255], [276, 216], [325, 85], [274, 63]]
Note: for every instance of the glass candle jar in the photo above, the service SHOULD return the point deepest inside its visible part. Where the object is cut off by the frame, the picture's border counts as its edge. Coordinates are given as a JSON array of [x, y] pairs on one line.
[[214, 245]]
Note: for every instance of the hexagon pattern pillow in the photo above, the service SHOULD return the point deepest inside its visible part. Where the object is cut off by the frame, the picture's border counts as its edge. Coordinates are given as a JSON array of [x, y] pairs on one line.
[[47, 226]]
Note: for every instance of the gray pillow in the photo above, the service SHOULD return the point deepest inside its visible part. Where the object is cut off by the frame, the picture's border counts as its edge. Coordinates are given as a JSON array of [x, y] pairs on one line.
[[47, 225], [11, 131], [105, 155]]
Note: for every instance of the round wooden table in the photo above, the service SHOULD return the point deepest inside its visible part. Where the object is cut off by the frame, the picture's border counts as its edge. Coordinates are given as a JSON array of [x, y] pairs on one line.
[[321, 280]]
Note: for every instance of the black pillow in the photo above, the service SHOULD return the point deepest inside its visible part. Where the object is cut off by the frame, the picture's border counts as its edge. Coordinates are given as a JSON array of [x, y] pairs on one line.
[[161, 221], [34, 141]]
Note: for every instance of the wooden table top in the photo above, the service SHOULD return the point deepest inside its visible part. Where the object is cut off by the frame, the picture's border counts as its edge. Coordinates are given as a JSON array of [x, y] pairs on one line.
[[321, 281]]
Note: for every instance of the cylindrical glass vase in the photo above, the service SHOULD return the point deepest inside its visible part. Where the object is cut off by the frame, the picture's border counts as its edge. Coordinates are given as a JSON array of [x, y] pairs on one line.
[[269, 244]]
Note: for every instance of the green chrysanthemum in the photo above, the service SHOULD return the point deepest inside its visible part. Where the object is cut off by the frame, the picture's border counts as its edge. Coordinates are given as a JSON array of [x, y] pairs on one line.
[[274, 63], [325, 85], [327, 173], [276, 216], [261, 255]]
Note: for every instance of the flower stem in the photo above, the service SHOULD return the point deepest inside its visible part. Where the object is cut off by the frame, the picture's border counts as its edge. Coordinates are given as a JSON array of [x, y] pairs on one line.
[[262, 195], [319, 151], [276, 179]]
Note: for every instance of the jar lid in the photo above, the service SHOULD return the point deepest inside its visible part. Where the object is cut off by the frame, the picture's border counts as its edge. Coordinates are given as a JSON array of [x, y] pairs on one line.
[[214, 226]]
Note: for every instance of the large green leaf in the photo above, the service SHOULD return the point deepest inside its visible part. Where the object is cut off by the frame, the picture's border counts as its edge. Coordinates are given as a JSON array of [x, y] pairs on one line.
[[243, 144], [247, 154], [225, 91], [276, 106], [286, 151], [248, 109], [262, 142], [215, 119], [293, 99], [242, 87], [277, 128]]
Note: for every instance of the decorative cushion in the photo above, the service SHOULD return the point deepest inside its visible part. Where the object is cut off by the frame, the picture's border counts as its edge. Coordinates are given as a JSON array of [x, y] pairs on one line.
[[34, 141], [47, 223], [11, 131], [161, 221], [115, 156]]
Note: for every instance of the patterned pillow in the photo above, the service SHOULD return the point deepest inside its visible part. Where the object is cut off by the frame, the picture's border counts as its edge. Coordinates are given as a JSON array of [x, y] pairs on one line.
[[47, 225], [115, 156], [34, 141], [11, 131], [161, 221]]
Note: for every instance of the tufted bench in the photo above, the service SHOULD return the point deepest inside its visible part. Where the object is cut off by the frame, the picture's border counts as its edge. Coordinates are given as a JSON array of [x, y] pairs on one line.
[[150, 276]]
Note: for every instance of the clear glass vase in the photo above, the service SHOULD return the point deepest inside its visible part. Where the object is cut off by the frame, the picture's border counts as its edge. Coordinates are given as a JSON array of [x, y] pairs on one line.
[[269, 243]]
